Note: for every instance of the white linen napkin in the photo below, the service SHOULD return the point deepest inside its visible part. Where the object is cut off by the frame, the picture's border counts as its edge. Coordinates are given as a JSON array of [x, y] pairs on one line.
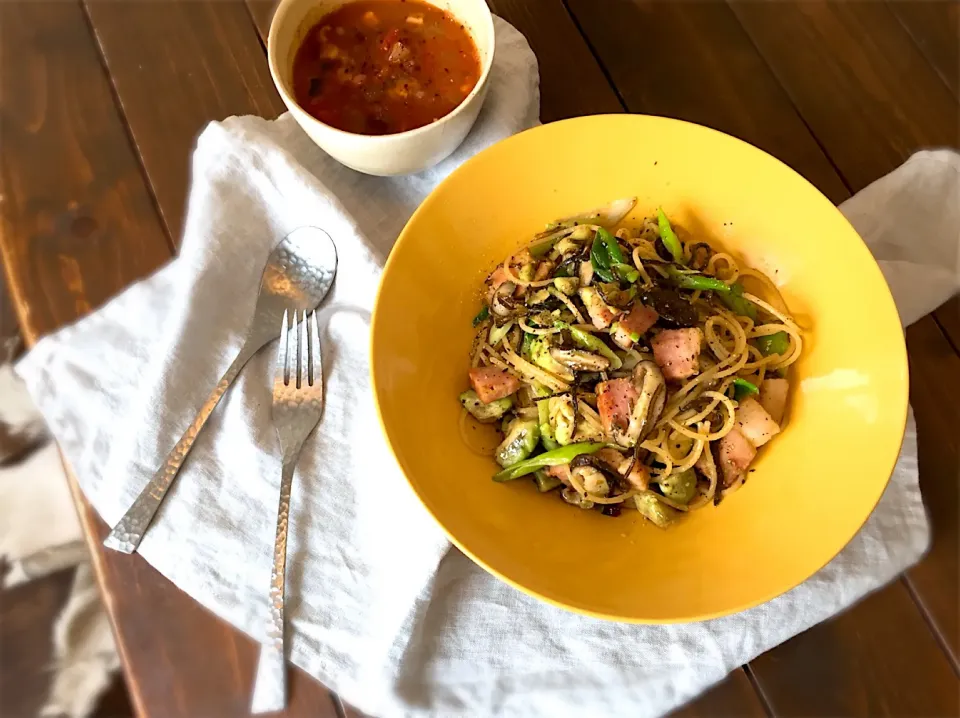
[[379, 606]]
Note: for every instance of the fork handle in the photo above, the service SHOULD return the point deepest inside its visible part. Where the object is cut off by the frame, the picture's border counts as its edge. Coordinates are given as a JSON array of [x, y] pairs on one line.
[[269, 690], [129, 531]]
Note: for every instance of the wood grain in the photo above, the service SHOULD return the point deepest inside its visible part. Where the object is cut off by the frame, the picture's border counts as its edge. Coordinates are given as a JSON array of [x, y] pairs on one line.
[[176, 66], [261, 11], [935, 26], [719, 72], [571, 81], [949, 317], [934, 393], [79, 225], [734, 697], [829, 676], [26, 614], [702, 68]]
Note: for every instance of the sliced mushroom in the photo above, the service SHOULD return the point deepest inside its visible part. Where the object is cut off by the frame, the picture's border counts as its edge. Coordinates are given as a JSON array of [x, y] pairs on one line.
[[608, 216], [594, 482], [502, 303], [651, 397], [700, 254], [585, 273], [580, 360], [592, 468], [618, 298], [538, 297]]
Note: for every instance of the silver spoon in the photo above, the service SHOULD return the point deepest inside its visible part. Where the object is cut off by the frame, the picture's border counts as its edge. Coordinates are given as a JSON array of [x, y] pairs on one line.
[[299, 273]]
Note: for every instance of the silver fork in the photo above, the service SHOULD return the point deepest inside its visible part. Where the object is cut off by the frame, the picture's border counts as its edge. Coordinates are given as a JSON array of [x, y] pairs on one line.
[[297, 407]]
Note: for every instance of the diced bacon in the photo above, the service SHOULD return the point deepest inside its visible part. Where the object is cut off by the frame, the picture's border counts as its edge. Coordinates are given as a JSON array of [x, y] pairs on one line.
[[635, 322], [638, 477], [736, 453], [498, 277], [639, 319], [601, 314], [491, 383], [615, 400], [755, 423], [676, 352], [773, 397], [561, 471]]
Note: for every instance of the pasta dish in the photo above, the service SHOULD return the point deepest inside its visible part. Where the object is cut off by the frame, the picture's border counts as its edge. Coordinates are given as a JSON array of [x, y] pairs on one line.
[[629, 366]]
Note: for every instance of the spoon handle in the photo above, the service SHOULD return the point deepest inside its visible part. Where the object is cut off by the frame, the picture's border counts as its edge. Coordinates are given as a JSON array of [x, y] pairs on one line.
[[129, 531]]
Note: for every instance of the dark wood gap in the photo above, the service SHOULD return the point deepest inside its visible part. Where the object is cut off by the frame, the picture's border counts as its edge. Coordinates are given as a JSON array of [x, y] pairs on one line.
[[596, 56], [338, 705], [758, 689], [932, 625], [151, 190], [261, 34]]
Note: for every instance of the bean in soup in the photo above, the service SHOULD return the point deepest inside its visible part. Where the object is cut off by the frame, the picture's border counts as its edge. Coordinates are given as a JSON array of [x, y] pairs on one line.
[[376, 67]]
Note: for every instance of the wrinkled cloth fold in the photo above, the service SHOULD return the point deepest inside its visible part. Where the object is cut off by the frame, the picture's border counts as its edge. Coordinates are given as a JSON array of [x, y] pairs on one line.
[[379, 606]]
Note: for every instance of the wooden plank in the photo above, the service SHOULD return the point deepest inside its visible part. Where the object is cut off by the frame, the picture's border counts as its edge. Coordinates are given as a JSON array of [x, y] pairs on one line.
[[26, 614], [935, 26], [935, 395], [829, 676], [181, 661], [735, 697], [78, 226], [261, 11], [10, 340], [858, 80], [731, 76], [571, 81], [872, 99], [949, 318], [693, 61], [175, 67]]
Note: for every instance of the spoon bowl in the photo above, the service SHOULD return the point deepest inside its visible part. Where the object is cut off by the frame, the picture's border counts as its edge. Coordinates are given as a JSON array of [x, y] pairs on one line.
[[298, 276]]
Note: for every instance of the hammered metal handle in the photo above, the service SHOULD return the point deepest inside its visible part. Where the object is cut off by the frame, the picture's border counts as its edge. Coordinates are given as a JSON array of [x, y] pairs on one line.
[[270, 687], [129, 531]]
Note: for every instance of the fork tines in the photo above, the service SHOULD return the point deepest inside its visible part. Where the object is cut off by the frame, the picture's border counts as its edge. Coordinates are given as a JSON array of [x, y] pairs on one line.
[[298, 357]]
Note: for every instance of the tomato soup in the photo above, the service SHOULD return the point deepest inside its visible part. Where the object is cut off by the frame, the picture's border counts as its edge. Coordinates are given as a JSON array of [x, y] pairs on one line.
[[376, 67]]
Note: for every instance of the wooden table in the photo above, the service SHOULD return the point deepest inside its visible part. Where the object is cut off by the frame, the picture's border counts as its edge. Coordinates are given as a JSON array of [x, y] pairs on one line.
[[101, 102]]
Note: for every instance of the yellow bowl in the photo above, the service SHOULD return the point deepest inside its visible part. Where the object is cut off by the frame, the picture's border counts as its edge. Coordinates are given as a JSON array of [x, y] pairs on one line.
[[814, 485]]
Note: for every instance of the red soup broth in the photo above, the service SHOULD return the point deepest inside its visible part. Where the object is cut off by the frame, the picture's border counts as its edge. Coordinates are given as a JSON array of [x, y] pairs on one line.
[[377, 67]]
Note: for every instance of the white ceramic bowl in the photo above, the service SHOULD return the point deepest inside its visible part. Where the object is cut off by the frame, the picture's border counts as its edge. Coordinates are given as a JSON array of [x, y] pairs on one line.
[[400, 153]]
